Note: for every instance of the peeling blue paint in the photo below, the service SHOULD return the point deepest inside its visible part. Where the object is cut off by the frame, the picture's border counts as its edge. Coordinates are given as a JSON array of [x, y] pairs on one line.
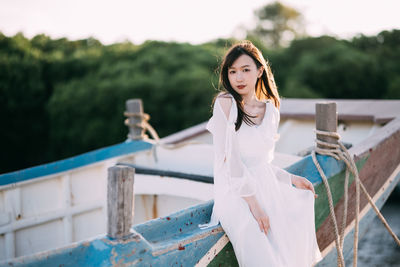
[[98, 245], [137, 250], [306, 168]]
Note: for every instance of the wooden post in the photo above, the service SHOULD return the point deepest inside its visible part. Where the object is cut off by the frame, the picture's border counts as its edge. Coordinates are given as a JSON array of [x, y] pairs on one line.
[[134, 106], [326, 120], [120, 201]]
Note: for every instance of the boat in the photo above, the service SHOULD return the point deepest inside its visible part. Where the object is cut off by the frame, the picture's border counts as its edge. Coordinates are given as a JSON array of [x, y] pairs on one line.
[[56, 213]]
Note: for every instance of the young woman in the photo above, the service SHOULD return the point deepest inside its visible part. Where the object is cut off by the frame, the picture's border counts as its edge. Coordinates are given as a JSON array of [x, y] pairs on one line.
[[268, 221]]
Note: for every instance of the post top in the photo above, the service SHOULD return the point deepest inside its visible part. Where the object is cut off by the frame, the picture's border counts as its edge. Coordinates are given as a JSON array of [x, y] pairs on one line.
[[134, 101], [326, 103], [120, 167]]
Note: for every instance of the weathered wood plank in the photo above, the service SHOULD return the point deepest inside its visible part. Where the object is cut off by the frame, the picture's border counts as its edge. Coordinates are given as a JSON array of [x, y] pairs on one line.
[[326, 120], [120, 201], [135, 106]]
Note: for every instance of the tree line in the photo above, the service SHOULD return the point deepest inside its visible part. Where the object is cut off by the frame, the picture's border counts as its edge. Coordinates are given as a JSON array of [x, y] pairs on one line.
[[59, 98]]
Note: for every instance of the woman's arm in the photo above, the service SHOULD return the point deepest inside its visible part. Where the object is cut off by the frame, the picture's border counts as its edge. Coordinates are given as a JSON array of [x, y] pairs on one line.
[[258, 213], [228, 158], [302, 183]]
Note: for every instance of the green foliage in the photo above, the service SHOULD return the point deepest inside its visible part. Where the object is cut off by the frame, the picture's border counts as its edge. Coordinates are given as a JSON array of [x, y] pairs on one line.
[[169, 78], [70, 95], [23, 97], [59, 98], [277, 24], [385, 49], [331, 69]]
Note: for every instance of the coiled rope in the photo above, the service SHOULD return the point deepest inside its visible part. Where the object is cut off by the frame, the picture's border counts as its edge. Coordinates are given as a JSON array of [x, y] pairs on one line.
[[155, 140], [339, 152]]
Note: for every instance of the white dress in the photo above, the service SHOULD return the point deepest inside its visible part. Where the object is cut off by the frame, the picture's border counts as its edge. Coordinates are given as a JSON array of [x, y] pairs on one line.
[[242, 167]]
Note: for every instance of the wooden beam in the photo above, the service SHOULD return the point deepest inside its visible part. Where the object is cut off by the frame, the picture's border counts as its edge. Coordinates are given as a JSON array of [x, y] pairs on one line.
[[120, 201], [326, 120], [135, 106]]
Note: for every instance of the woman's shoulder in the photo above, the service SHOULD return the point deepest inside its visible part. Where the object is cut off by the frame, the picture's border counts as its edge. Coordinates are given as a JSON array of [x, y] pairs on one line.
[[225, 101], [271, 102], [224, 95], [274, 110]]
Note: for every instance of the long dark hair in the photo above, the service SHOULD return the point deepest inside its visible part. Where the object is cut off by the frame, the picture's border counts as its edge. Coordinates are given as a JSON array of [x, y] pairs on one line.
[[265, 86]]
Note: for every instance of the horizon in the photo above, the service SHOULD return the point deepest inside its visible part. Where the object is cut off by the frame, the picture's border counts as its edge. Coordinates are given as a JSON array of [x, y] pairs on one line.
[[183, 22]]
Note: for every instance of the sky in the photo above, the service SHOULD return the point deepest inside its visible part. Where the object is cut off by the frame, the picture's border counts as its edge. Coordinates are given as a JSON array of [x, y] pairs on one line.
[[185, 20]]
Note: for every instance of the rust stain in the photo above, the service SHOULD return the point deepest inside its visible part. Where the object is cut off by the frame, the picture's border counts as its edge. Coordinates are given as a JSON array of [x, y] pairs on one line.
[[168, 218], [155, 208], [132, 253], [181, 247]]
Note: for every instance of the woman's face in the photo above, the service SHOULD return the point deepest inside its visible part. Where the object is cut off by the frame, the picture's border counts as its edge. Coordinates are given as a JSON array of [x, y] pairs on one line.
[[243, 75]]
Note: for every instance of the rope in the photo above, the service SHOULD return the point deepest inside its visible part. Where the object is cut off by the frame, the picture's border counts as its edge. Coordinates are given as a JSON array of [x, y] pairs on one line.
[[155, 140], [339, 152]]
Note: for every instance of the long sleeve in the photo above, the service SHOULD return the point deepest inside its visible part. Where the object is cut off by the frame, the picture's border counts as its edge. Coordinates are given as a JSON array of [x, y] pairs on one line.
[[282, 175], [227, 156]]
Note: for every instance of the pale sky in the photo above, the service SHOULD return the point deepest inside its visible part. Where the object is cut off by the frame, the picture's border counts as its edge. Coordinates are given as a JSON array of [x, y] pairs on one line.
[[185, 20]]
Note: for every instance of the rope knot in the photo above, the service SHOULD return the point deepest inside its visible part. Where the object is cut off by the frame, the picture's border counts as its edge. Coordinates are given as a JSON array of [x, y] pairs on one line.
[[339, 152]]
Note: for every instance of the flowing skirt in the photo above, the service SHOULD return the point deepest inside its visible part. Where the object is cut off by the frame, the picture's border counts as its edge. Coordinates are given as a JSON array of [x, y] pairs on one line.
[[291, 239]]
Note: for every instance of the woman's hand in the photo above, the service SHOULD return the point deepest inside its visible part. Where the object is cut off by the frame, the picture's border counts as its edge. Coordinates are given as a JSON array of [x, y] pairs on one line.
[[303, 183], [258, 213]]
